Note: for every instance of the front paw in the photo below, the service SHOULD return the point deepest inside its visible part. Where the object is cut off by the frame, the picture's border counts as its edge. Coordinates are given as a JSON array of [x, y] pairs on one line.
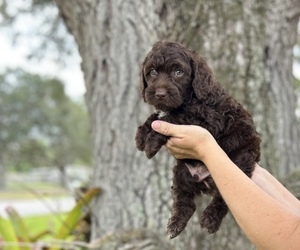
[[151, 150], [154, 142], [140, 138]]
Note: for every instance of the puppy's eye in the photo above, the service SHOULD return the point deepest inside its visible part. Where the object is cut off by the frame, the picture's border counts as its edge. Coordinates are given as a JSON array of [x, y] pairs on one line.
[[153, 72], [178, 72]]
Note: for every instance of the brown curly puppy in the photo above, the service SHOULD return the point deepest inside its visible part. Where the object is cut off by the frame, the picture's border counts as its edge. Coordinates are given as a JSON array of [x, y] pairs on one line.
[[181, 87]]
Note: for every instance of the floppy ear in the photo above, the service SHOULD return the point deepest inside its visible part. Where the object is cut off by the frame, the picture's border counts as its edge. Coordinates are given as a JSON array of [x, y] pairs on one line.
[[203, 82], [143, 83]]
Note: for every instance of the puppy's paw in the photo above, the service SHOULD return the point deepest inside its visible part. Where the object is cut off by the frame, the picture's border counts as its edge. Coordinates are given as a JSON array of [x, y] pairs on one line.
[[150, 150], [175, 227], [154, 142], [212, 224], [140, 138], [140, 143]]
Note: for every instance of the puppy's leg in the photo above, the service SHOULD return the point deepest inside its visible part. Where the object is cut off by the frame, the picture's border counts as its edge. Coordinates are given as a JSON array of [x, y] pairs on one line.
[[154, 142], [143, 131], [213, 215], [183, 200], [140, 137]]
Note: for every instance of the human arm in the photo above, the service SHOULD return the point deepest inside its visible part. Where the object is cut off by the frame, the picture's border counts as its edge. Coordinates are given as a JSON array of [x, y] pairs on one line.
[[268, 222], [274, 188]]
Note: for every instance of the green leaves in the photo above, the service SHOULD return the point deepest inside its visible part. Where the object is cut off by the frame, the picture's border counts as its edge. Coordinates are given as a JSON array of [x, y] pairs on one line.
[[8, 234], [18, 225], [39, 124], [14, 230], [75, 214]]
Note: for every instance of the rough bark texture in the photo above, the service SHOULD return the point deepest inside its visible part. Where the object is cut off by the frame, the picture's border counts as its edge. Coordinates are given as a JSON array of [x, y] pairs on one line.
[[112, 43], [249, 46], [281, 34]]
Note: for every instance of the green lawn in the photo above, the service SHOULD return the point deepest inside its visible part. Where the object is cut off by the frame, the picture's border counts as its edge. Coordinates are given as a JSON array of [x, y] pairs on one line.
[[34, 190], [55, 225], [36, 224], [40, 223], [37, 227]]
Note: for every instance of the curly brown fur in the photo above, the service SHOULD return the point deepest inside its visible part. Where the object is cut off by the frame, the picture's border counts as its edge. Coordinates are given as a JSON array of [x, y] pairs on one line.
[[181, 87]]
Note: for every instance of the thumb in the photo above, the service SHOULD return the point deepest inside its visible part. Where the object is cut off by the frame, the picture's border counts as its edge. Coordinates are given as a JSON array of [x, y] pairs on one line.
[[164, 128]]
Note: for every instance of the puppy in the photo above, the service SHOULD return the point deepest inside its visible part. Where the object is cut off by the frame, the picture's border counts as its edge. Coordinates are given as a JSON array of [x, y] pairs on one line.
[[180, 86]]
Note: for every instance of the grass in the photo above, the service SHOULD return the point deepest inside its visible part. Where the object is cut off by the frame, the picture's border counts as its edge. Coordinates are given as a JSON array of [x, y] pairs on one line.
[[32, 190], [41, 227], [35, 191], [36, 224], [51, 227], [40, 223]]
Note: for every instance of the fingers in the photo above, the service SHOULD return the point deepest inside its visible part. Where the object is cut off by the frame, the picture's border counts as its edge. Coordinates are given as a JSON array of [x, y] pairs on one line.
[[175, 147], [165, 128]]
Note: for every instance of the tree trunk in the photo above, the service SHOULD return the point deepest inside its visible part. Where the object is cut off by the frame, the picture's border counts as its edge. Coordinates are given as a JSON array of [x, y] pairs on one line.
[[2, 177], [249, 46], [63, 178], [281, 36], [112, 43]]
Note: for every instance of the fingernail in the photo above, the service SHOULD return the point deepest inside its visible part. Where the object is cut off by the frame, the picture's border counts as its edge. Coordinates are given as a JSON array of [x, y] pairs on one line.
[[155, 125]]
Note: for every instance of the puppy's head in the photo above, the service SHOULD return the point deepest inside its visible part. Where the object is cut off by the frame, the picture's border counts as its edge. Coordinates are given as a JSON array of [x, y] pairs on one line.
[[166, 76], [171, 74]]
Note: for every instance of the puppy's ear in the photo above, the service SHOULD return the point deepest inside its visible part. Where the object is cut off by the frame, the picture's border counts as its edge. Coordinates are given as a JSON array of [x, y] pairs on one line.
[[203, 80], [143, 83]]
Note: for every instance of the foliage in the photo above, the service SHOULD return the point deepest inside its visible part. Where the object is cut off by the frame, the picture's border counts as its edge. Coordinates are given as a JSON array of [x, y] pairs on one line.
[[7, 232], [75, 214], [52, 39], [16, 231], [42, 223], [40, 125]]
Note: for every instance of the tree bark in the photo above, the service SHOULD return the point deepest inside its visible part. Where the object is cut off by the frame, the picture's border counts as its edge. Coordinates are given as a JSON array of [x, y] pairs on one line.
[[2, 176], [112, 43], [281, 36], [249, 46]]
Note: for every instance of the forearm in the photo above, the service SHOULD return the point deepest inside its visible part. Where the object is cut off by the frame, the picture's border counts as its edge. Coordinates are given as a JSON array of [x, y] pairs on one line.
[[260, 214], [274, 188], [255, 211]]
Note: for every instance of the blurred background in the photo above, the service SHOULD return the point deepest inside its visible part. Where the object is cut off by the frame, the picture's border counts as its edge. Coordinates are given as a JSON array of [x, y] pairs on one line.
[[69, 107], [46, 147]]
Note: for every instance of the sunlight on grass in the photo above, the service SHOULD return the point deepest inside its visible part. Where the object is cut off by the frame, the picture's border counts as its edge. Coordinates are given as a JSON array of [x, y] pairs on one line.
[[31, 191], [40, 223]]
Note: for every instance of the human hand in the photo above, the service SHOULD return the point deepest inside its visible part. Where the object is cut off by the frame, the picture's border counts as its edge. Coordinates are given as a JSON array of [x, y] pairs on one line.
[[186, 141]]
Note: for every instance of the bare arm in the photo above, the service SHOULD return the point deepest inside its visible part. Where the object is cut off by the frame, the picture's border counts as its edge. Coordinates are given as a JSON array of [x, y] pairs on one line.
[[274, 188], [268, 222]]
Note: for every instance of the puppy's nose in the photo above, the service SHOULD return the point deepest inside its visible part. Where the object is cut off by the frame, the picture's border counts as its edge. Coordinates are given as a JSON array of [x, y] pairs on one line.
[[160, 93]]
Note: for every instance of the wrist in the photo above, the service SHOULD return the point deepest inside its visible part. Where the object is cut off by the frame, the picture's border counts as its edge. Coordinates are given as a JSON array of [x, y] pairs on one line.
[[207, 148], [214, 157]]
